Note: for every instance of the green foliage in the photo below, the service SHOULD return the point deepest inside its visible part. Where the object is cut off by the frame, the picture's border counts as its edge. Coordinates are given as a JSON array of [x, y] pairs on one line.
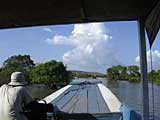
[[133, 70], [5, 75], [84, 75], [22, 63], [19, 62], [50, 72], [157, 80], [130, 73], [117, 72], [133, 78], [87, 75], [154, 76]]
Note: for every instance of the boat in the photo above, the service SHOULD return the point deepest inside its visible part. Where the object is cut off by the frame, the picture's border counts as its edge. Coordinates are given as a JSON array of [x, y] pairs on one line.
[[87, 100], [31, 13]]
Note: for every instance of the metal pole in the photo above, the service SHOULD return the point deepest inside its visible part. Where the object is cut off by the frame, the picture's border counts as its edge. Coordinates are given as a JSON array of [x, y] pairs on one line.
[[143, 66]]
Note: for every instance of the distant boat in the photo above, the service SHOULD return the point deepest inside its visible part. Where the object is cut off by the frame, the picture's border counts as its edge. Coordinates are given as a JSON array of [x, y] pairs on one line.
[[94, 76], [89, 100]]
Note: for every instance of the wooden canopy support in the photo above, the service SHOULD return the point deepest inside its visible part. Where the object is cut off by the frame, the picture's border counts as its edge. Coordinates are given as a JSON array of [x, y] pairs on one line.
[[143, 68]]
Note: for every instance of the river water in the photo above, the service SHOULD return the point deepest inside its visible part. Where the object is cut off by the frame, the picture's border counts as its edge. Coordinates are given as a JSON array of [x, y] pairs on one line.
[[128, 93], [131, 95]]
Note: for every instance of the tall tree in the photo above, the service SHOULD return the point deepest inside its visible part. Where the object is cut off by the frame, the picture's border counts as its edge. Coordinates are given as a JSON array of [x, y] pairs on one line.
[[50, 72], [133, 70], [22, 63], [120, 72]]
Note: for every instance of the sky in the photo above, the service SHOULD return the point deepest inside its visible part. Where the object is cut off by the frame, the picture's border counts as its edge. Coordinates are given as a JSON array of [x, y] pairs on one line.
[[88, 47]]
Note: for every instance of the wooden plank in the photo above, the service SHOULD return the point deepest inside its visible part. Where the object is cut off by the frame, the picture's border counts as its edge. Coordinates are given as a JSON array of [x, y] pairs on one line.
[[81, 105], [111, 100], [82, 98], [103, 108]]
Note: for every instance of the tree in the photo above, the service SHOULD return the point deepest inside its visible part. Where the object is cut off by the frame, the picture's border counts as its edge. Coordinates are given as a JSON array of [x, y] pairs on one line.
[[122, 71], [22, 63], [158, 77], [50, 72], [119, 72], [110, 74], [5, 76], [154, 76], [113, 73], [133, 70]]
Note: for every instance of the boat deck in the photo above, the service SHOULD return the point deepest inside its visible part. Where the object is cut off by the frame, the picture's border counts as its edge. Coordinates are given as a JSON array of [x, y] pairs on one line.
[[83, 98]]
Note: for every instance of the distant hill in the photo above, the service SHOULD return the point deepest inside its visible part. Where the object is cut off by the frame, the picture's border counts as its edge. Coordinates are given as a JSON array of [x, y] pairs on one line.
[[86, 74]]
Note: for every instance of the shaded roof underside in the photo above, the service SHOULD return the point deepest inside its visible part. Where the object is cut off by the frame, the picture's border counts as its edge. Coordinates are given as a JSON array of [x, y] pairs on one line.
[[22, 13]]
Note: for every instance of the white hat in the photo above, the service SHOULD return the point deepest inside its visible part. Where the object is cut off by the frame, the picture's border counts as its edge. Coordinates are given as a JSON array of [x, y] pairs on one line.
[[17, 78]]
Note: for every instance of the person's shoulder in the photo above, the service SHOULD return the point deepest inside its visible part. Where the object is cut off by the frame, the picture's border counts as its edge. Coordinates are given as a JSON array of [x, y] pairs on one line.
[[4, 85], [21, 87]]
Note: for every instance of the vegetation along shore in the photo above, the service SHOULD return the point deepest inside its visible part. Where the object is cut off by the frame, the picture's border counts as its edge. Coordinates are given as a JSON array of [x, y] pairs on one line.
[[53, 73]]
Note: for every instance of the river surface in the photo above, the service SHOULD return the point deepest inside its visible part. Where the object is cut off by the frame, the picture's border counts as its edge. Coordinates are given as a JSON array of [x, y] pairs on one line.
[[128, 93]]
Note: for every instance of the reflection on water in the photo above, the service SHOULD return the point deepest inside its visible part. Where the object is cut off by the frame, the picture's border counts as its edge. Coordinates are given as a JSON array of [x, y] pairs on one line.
[[128, 93], [131, 95], [39, 91]]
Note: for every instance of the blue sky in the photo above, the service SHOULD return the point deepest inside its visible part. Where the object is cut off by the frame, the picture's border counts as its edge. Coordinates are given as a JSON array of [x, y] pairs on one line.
[[114, 43]]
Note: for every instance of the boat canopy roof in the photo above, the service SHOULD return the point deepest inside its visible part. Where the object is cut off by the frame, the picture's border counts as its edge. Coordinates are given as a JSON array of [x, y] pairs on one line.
[[25, 13]]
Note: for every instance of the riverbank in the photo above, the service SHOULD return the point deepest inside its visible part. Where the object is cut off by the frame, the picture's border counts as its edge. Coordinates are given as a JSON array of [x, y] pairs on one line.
[[135, 81]]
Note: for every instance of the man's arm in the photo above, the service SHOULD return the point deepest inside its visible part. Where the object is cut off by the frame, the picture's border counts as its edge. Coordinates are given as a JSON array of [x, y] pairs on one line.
[[27, 98]]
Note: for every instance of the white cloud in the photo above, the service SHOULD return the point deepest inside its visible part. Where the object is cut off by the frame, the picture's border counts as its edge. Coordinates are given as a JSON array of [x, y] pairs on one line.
[[47, 29], [155, 59], [91, 47]]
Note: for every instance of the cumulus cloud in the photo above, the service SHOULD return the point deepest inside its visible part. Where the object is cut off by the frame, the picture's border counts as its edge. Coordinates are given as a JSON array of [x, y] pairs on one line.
[[47, 29], [92, 49], [155, 59]]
